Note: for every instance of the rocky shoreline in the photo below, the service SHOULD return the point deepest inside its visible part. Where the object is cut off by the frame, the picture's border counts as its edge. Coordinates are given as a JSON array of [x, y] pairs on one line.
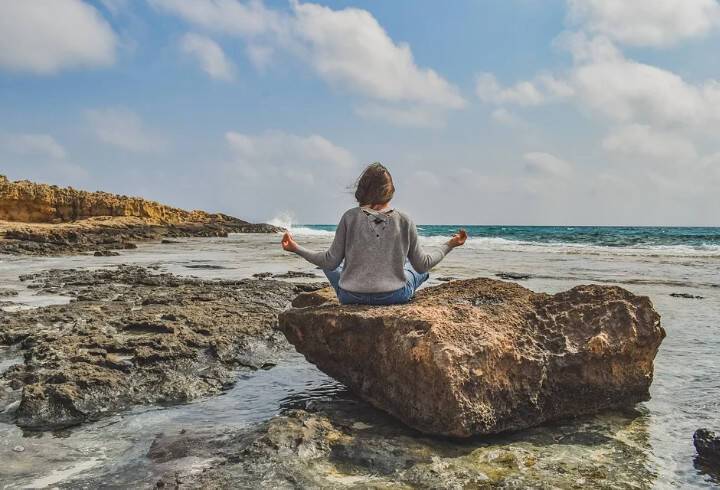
[[40, 219], [132, 336]]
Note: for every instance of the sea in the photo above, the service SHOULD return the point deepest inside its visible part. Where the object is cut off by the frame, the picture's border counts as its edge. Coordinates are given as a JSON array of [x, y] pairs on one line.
[[678, 268]]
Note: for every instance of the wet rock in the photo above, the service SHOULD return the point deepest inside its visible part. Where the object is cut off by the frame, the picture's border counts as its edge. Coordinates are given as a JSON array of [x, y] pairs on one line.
[[512, 276], [262, 275], [5, 292], [205, 266], [686, 296], [105, 253], [136, 337], [343, 443], [165, 241], [294, 275], [482, 356], [707, 445], [446, 278]]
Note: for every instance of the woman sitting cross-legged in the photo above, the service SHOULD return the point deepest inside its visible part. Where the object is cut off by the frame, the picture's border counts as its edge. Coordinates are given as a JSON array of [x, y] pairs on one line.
[[384, 263]]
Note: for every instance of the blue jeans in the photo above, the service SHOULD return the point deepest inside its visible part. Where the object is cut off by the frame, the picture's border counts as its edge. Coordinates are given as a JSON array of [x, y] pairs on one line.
[[413, 280]]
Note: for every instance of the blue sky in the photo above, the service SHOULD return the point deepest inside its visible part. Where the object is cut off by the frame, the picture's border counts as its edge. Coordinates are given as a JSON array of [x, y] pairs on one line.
[[513, 111]]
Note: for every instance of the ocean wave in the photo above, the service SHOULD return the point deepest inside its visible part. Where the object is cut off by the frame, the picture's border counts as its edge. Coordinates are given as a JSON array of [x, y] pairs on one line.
[[286, 220], [305, 231], [504, 244]]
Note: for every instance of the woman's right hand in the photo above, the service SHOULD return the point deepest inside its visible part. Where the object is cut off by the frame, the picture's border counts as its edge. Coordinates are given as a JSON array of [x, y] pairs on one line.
[[288, 243], [458, 239]]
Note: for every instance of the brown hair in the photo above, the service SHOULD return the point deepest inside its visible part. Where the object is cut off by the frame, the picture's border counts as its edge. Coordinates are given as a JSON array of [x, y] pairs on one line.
[[374, 186]]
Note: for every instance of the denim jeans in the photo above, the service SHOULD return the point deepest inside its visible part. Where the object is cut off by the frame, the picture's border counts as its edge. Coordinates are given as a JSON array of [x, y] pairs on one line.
[[413, 280]]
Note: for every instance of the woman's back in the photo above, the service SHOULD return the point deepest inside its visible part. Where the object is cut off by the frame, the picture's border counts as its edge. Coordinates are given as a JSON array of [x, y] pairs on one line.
[[375, 246], [375, 242]]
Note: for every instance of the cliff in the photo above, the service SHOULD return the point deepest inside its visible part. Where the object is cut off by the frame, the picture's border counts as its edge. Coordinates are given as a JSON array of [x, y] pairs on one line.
[[29, 202], [41, 219]]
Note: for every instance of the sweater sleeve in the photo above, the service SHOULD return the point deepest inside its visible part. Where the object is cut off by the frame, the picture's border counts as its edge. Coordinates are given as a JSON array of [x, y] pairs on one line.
[[331, 258], [419, 259]]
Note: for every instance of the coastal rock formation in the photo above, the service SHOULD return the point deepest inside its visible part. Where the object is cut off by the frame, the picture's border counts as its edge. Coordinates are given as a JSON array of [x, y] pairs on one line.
[[29, 202], [45, 219], [482, 356], [707, 445], [343, 443], [131, 336]]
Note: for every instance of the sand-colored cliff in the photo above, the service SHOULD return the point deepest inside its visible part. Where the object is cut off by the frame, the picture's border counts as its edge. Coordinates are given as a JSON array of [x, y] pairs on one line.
[[43, 219], [29, 202]]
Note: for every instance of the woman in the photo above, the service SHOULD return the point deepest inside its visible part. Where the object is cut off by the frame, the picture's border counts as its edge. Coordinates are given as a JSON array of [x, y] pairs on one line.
[[384, 262]]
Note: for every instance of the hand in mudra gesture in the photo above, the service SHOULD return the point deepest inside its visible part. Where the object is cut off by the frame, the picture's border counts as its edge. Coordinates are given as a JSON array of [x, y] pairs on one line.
[[458, 239], [288, 243]]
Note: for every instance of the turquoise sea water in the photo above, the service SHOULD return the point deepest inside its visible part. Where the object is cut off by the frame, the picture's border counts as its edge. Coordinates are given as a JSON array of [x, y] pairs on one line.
[[604, 236]]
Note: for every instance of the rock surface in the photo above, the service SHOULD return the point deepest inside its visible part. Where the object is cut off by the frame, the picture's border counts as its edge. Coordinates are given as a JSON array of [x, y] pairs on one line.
[[45, 219], [346, 444], [132, 336], [482, 356], [707, 445]]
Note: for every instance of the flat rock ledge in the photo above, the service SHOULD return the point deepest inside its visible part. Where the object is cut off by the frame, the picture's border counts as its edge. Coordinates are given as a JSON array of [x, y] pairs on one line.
[[482, 356]]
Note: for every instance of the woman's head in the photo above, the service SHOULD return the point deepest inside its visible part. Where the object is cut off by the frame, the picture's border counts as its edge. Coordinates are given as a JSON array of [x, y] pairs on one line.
[[374, 186]]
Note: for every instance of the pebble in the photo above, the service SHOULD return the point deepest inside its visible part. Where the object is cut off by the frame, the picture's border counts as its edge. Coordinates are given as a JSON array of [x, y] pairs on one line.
[[19, 449]]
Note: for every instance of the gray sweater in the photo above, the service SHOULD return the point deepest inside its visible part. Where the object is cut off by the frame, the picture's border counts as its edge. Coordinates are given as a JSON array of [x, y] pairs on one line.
[[374, 246]]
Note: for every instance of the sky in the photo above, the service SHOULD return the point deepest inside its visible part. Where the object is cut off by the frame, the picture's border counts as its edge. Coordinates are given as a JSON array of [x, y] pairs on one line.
[[526, 112]]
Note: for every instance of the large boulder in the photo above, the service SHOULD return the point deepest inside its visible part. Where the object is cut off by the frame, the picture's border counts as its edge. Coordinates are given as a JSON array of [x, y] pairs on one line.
[[482, 356]]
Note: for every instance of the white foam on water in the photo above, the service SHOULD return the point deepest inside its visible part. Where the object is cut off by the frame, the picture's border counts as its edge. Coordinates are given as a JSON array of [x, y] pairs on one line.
[[286, 220]]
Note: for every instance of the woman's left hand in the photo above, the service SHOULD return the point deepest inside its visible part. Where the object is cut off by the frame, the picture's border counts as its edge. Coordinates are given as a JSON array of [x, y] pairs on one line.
[[288, 243], [458, 239]]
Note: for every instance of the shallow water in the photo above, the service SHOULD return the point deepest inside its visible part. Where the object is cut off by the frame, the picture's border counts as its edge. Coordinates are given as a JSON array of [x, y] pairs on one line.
[[685, 392]]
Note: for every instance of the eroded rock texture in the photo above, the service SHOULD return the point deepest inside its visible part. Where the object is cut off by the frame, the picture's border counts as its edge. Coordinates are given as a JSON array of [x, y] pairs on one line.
[[132, 336], [46, 219], [483, 356]]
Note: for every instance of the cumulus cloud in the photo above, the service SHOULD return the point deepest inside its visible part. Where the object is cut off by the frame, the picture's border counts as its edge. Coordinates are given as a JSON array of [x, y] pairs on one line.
[[628, 90], [646, 22], [32, 144], [124, 129], [637, 140], [229, 16], [276, 153], [347, 48], [277, 171], [209, 54], [46, 36], [524, 93]]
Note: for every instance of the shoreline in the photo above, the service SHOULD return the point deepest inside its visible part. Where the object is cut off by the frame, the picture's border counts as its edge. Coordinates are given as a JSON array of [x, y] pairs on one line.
[[291, 416]]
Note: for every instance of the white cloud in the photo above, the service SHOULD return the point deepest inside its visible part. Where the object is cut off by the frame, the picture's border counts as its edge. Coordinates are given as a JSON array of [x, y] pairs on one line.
[[228, 16], [547, 165], [524, 93], [209, 54], [30, 144], [123, 128], [627, 90], [351, 49], [347, 48], [612, 85], [646, 22], [636, 140], [286, 154], [46, 36], [488, 89]]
